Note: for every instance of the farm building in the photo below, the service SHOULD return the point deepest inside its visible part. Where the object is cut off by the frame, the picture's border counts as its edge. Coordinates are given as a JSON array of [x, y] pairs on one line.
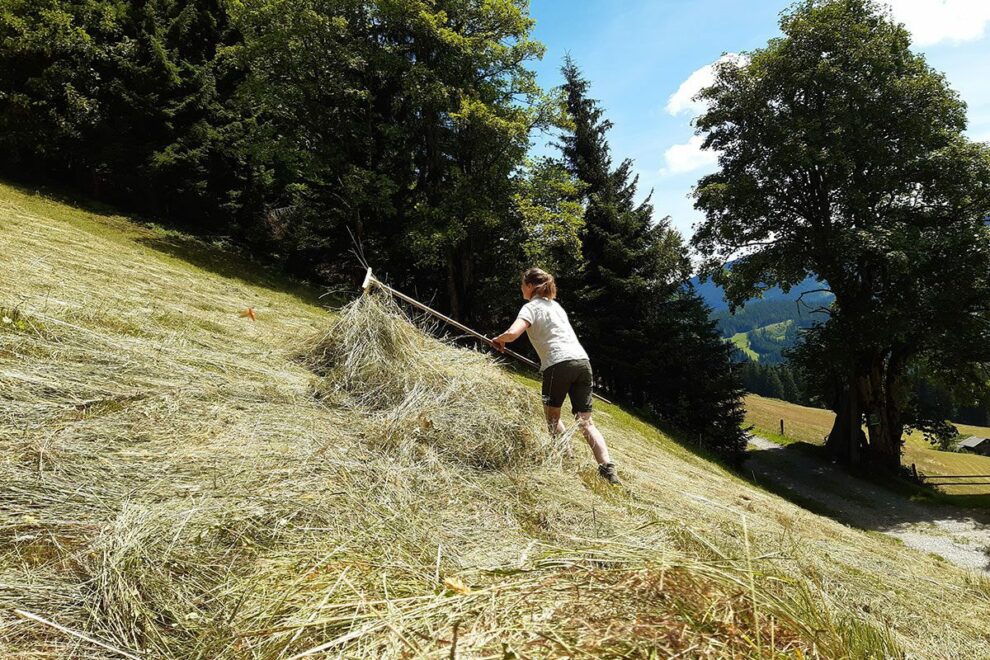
[[976, 445]]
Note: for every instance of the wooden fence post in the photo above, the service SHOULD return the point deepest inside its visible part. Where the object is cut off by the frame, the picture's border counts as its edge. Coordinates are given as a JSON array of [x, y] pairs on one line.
[[782, 427]]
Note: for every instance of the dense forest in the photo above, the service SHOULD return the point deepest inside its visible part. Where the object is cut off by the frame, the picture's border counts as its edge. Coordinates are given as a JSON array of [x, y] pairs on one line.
[[761, 313], [304, 130]]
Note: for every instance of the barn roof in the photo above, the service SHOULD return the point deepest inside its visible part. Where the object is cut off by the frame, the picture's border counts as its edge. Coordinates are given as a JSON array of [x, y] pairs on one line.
[[972, 442]]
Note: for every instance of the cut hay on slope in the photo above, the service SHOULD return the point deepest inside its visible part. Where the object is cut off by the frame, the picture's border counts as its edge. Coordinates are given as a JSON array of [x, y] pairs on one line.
[[170, 485], [418, 389]]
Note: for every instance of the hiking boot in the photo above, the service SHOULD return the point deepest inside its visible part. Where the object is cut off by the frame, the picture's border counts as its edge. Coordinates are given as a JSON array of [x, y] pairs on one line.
[[607, 472]]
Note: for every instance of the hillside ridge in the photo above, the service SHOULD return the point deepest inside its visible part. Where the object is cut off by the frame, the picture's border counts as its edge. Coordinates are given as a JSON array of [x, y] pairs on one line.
[[177, 482]]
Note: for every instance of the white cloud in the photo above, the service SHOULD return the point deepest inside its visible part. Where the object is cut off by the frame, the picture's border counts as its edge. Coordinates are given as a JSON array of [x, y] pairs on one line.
[[934, 21], [688, 157], [683, 99]]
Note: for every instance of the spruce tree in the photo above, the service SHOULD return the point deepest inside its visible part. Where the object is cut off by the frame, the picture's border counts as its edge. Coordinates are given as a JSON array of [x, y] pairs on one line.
[[121, 100], [628, 259], [775, 387], [790, 391], [649, 334]]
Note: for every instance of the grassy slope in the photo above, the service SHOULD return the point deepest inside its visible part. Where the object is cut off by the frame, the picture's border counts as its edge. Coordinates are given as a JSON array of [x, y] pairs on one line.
[[776, 330], [137, 388], [773, 331], [741, 340], [811, 425]]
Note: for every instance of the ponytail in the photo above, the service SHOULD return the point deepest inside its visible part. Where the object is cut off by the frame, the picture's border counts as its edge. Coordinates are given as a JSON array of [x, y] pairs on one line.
[[542, 282]]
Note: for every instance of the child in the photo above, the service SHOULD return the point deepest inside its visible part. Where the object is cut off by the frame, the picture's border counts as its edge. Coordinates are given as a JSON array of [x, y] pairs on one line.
[[563, 362]]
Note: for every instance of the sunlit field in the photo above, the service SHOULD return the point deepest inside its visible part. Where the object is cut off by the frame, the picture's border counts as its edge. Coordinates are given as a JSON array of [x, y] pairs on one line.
[[811, 425]]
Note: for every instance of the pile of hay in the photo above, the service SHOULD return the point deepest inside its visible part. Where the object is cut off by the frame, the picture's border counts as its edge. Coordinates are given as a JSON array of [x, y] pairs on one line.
[[419, 390]]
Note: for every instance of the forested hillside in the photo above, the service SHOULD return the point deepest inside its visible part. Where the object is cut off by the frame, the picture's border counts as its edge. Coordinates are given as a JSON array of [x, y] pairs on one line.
[[762, 313], [764, 328], [308, 131], [714, 295]]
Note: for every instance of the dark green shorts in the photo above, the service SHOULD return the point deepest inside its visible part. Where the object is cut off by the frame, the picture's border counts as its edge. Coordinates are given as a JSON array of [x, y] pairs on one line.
[[570, 377]]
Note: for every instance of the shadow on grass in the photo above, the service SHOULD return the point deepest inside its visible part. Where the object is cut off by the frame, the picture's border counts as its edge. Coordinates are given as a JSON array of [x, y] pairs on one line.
[[64, 196], [804, 474], [167, 238], [235, 264], [901, 485]]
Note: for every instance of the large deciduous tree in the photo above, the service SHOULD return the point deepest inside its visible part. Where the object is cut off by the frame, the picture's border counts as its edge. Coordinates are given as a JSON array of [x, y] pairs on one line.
[[842, 153], [402, 121]]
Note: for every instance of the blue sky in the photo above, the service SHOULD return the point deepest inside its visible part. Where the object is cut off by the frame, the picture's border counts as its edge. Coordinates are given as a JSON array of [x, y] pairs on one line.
[[637, 54]]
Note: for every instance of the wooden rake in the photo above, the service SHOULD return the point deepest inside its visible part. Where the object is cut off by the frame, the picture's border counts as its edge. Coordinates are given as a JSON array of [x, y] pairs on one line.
[[370, 280]]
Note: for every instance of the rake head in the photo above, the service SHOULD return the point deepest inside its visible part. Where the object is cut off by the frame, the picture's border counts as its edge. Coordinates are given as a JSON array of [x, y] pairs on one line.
[[369, 280]]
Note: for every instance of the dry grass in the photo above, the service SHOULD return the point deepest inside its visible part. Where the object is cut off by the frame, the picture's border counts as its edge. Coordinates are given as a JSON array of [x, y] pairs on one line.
[[171, 484], [376, 363], [811, 425]]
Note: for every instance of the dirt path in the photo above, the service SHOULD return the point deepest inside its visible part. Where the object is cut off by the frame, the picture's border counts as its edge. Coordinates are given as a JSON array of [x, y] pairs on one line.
[[961, 536]]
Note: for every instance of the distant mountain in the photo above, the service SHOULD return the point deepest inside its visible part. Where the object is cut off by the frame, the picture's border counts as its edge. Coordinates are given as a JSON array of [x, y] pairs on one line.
[[766, 327], [712, 293]]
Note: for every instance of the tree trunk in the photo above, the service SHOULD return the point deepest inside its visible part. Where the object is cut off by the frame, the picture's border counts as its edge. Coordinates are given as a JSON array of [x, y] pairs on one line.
[[845, 441], [885, 406], [453, 290], [873, 391], [885, 437], [460, 279]]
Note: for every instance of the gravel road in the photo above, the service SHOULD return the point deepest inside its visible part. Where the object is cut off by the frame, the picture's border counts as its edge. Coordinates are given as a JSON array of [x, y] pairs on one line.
[[961, 536]]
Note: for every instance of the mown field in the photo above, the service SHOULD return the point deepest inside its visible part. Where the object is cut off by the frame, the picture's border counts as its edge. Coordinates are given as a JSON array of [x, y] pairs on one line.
[[741, 341], [811, 425], [176, 481]]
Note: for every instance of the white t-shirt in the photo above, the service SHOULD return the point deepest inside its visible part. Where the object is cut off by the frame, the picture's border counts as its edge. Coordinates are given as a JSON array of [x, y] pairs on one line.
[[551, 332]]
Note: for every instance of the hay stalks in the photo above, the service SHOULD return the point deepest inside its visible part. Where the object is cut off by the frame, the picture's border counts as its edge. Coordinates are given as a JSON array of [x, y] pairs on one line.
[[417, 389], [68, 631], [170, 485]]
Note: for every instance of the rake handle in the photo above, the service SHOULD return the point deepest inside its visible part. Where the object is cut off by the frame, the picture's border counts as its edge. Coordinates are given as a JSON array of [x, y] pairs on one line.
[[370, 280], [456, 324]]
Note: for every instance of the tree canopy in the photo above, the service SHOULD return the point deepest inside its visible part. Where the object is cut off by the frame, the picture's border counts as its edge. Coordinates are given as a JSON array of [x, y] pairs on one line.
[[842, 154]]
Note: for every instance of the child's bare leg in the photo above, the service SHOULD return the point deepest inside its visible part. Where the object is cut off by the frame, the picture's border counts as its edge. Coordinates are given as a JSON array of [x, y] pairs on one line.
[[554, 425], [594, 437]]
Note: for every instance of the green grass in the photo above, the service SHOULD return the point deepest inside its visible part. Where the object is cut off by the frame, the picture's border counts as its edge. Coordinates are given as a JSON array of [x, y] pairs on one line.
[[171, 483], [776, 331], [741, 341], [168, 246], [811, 425]]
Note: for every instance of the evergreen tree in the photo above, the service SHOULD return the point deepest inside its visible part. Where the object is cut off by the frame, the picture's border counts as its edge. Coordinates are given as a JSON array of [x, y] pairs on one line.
[[630, 262], [119, 99], [285, 124], [775, 387], [748, 373], [648, 332], [789, 389]]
